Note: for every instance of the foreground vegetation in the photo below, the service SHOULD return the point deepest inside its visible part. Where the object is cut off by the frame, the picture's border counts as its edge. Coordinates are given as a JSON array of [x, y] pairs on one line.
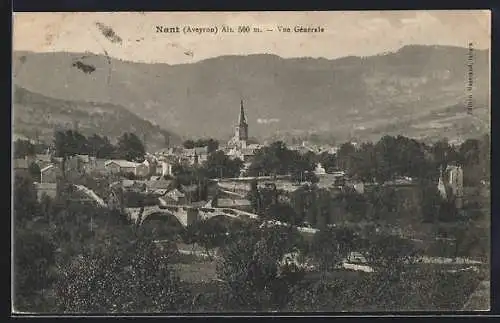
[[72, 257]]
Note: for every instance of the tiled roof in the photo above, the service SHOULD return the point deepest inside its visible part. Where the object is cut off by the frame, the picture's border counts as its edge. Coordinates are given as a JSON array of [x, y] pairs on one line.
[[46, 168], [175, 193], [122, 163], [158, 184]]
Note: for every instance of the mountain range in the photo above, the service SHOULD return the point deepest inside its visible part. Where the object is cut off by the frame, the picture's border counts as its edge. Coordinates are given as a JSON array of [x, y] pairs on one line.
[[417, 91]]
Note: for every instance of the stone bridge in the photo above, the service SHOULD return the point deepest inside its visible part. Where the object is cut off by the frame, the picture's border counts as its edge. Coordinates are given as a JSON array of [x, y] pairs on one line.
[[186, 214]]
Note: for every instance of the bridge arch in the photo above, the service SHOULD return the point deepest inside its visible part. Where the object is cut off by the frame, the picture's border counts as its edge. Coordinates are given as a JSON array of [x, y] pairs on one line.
[[162, 225], [225, 220]]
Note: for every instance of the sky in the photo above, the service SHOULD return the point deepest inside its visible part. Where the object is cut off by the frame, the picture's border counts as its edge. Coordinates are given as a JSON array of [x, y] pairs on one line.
[[359, 33]]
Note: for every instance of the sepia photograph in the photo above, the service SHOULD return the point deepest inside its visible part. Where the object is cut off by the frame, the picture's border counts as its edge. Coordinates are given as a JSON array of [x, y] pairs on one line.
[[250, 162]]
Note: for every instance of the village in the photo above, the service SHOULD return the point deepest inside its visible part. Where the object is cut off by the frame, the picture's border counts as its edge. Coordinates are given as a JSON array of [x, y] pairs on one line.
[[154, 179]]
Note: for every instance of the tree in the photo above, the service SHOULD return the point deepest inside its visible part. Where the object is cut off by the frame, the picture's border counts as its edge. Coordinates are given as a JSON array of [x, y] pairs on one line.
[[188, 144], [389, 253], [26, 207], [364, 163], [383, 201], [330, 246], [249, 268], [301, 166], [386, 152], [34, 258], [121, 277], [219, 165], [328, 161], [431, 200], [100, 147], [211, 144], [271, 160], [209, 234], [443, 154], [345, 156], [130, 148], [34, 171], [283, 213], [23, 148], [70, 143]]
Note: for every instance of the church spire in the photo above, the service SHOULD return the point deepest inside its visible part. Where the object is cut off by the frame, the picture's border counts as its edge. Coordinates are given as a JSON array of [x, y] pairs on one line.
[[242, 119]]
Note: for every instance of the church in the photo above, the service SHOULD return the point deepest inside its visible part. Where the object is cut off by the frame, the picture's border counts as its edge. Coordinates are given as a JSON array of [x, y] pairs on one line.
[[238, 146], [240, 137]]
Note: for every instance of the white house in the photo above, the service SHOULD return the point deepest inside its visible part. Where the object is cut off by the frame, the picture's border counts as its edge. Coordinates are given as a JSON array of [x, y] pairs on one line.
[[125, 166], [166, 168], [319, 170], [452, 178]]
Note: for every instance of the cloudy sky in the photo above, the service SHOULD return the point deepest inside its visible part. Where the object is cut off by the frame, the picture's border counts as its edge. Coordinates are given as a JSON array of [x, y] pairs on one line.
[[346, 33]]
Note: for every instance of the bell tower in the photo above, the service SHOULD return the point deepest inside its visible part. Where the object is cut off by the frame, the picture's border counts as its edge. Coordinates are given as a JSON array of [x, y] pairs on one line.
[[241, 130]]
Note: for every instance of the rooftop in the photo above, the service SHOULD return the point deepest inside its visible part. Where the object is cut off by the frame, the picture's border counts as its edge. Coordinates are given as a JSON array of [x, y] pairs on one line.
[[122, 163], [46, 168]]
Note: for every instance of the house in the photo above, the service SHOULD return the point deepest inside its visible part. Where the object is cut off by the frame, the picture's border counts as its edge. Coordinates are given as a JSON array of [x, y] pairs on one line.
[[124, 166], [165, 168], [451, 184], [97, 165], [196, 155], [121, 166], [150, 164], [48, 189], [49, 174], [21, 166], [158, 187], [319, 170], [245, 153], [176, 196]]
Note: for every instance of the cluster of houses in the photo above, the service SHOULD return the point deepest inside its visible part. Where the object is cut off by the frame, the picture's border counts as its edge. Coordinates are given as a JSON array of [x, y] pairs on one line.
[[50, 168]]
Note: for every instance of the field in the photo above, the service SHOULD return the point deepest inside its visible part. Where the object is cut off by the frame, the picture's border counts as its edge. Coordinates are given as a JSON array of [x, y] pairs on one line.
[[421, 288]]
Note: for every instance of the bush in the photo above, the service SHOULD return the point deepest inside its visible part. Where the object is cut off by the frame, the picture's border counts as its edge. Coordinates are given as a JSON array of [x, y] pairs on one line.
[[132, 277], [249, 268], [33, 261]]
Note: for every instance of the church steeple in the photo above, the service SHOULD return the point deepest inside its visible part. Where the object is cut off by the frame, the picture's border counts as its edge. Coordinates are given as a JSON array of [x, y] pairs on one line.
[[242, 120], [241, 129]]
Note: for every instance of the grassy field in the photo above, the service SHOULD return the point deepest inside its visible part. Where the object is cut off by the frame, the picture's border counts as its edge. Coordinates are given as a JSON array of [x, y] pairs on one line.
[[197, 271]]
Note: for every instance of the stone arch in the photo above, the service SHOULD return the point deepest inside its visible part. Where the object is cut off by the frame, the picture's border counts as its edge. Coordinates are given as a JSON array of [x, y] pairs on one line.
[[227, 221], [162, 225]]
